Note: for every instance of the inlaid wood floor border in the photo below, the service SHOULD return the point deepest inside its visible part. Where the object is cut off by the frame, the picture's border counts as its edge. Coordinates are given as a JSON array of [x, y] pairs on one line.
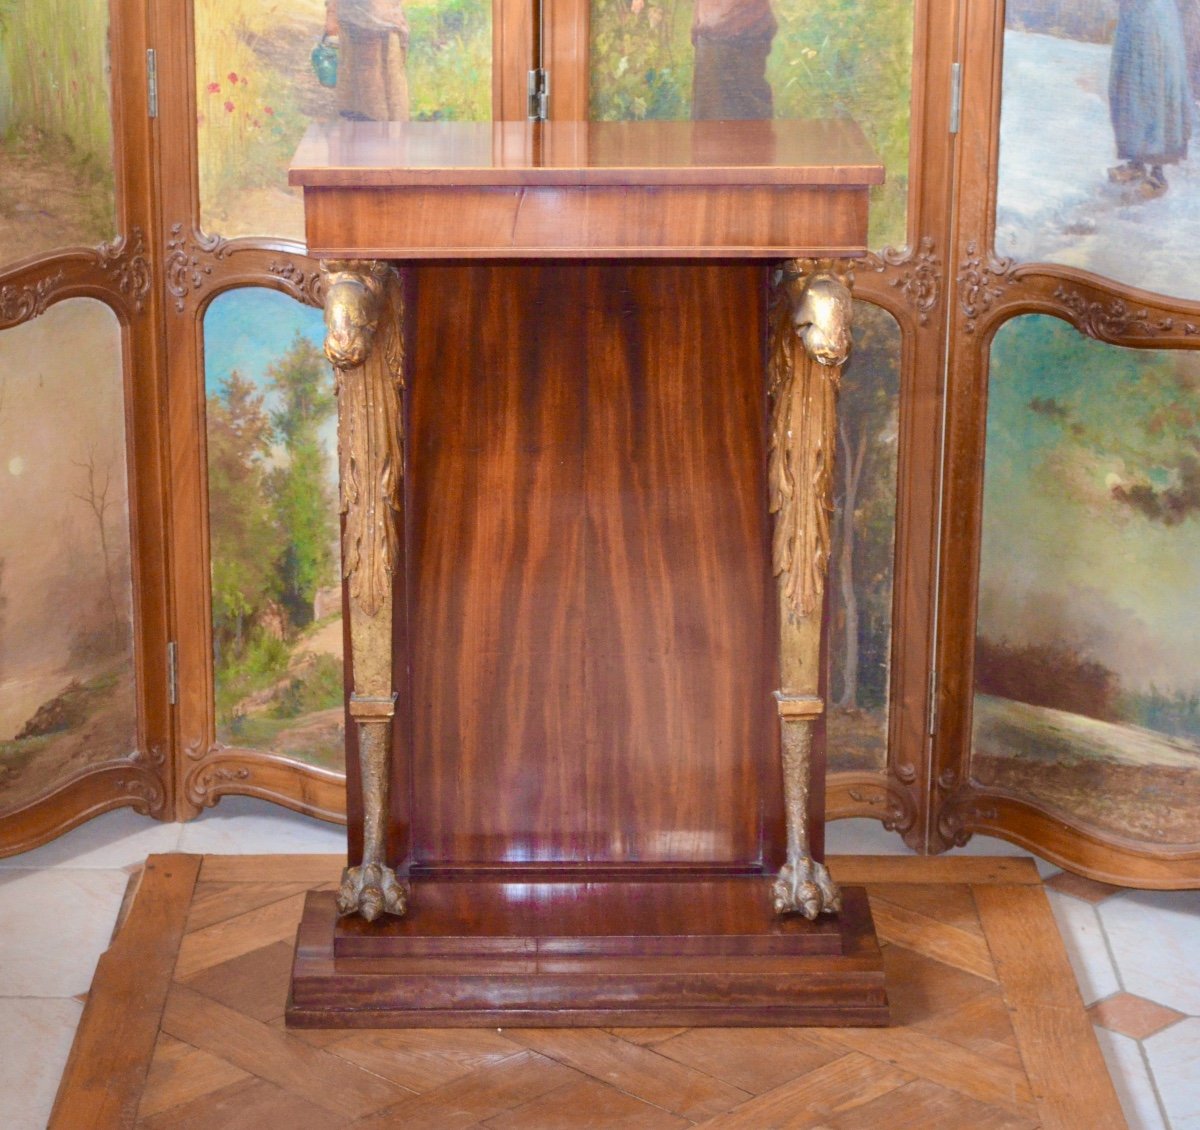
[[183, 1027]]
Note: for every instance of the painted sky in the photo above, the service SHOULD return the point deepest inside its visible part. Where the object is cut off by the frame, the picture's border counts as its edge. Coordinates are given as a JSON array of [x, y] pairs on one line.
[[1062, 561], [249, 329]]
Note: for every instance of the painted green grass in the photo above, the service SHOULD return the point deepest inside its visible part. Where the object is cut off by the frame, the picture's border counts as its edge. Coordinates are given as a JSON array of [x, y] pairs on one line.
[[54, 91]]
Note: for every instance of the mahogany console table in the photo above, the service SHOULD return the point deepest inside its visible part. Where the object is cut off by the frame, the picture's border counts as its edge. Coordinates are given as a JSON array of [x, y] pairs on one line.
[[587, 378]]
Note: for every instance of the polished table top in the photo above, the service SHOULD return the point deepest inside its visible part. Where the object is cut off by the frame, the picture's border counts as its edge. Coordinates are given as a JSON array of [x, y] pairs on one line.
[[465, 190], [381, 154]]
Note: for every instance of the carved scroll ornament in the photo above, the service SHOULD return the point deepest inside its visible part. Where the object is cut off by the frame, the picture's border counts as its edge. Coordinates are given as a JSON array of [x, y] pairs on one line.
[[915, 272]]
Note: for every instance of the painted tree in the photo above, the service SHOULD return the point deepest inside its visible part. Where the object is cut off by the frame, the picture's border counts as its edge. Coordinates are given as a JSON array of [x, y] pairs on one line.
[[300, 486], [245, 538], [865, 496], [100, 494]]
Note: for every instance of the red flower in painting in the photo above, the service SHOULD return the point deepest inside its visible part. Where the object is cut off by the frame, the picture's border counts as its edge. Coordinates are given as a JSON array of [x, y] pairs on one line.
[[233, 76], [269, 111], [214, 88], [229, 107]]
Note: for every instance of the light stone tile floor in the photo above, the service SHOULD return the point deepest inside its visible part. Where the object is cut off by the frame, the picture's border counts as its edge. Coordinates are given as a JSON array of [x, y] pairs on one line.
[[1145, 943]]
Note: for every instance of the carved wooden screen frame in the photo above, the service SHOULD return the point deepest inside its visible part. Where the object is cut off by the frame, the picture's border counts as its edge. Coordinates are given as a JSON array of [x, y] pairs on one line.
[[990, 291], [119, 274], [909, 283], [198, 266]]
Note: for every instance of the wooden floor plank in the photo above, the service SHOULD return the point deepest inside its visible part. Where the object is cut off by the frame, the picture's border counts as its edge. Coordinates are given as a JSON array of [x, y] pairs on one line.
[[223, 941], [256, 983], [602, 1108], [181, 1074], [847, 1082], [1066, 1070], [114, 1044], [868, 869], [646, 1036], [951, 903], [252, 1105], [961, 949], [922, 1105], [291, 1064], [982, 1024], [640, 1071], [757, 1060], [215, 902], [939, 1061], [483, 1094], [919, 987], [311, 869], [963, 958], [423, 1059]]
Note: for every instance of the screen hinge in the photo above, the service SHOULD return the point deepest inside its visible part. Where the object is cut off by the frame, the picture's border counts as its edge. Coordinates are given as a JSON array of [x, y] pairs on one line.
[[955, 96], [173, 673], [539, 94], [933, 703], [152, 81]]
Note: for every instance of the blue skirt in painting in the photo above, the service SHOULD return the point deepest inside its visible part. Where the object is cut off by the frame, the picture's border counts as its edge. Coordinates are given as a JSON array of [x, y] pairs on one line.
[[1149, 96]]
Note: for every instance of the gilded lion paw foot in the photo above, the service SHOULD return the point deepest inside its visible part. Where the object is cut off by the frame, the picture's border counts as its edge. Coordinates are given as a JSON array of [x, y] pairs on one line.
[[805, 887], [371, 890]]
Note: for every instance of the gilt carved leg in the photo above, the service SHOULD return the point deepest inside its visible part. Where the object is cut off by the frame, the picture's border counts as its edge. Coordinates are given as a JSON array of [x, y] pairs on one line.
[[810, 341], [364, 343]]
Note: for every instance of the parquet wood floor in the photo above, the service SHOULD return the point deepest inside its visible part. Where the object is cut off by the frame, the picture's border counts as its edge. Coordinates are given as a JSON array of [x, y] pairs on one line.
[[184, 1028]]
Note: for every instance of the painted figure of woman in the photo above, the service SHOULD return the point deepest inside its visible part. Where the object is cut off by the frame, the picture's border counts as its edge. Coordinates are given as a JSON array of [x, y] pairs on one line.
[[1149, 96], [732, 40], [373, 54]]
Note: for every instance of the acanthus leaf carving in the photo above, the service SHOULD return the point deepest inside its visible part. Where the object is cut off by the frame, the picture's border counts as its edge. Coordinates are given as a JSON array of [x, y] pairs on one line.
[[948, 777], [897, 816], [962, 818], [1117, 319], [981, 282], [146, 791], [21, 303], [915, 272], [155, 756], [125, 261], [202, 786], [190, 257], [308, 286]]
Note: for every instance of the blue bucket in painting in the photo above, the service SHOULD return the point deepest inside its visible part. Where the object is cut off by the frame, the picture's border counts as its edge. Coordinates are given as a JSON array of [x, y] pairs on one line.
[[325, 62]]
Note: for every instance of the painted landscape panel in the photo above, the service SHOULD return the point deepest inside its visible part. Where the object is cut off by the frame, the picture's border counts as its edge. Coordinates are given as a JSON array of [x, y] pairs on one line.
[[726, 59], [273, 525], [1087, 689], [66, 596], [862, 561], [264, 71], [56, 143], [1097, 158]]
